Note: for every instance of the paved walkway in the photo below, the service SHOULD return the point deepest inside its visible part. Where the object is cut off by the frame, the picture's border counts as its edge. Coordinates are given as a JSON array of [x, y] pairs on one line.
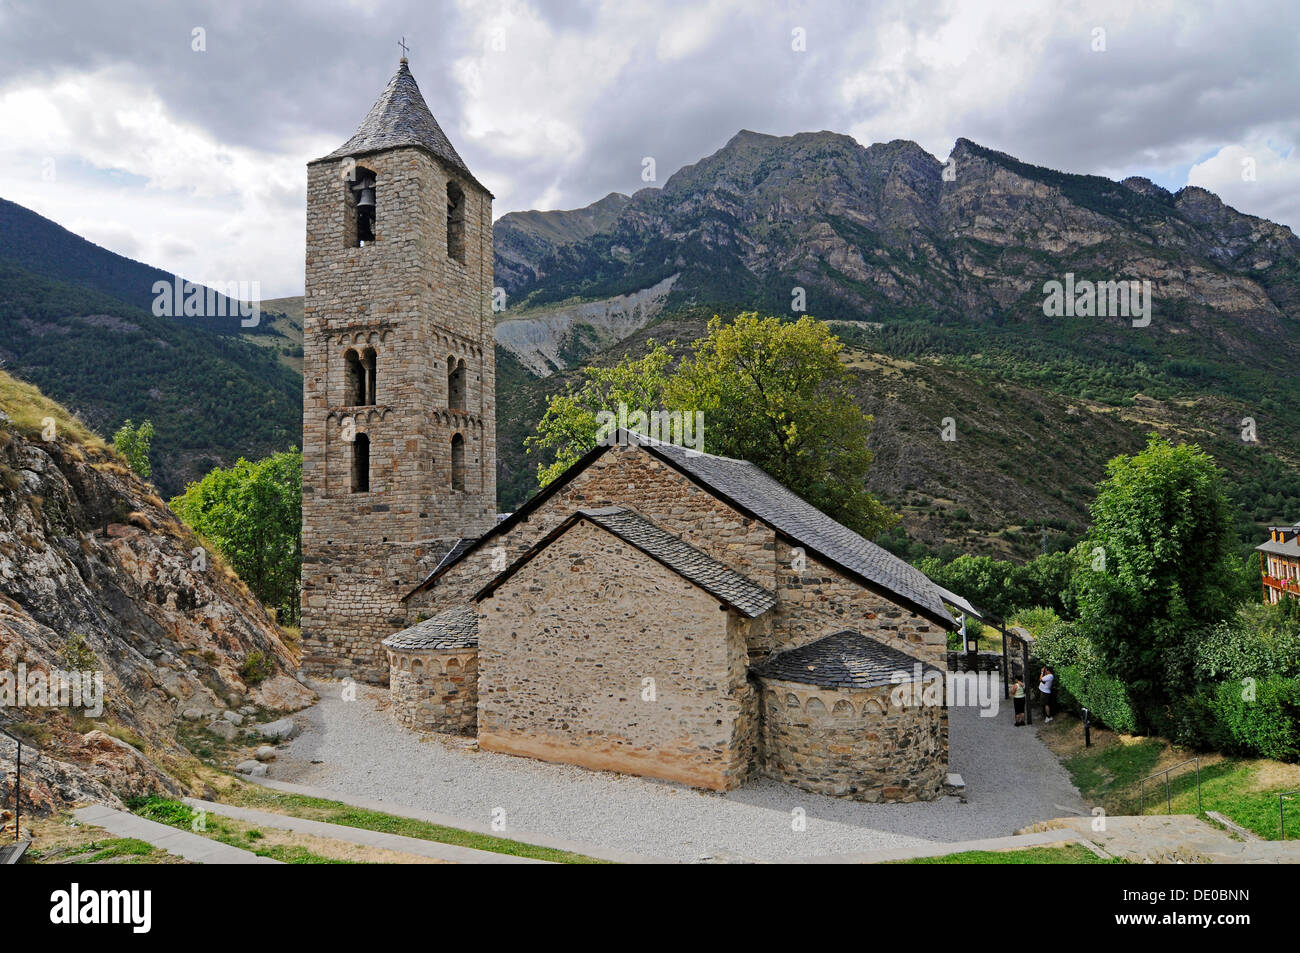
[[1015, 842], [1177, 839], [460, 823], [353, 750], [193, 847], [356, 835]]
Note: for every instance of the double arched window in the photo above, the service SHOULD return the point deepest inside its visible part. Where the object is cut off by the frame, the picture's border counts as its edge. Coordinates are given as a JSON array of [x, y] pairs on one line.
[[455, 383], [359, 377]]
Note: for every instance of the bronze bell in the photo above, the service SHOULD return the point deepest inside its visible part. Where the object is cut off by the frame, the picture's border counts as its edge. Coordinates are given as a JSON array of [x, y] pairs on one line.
[[365, 190]]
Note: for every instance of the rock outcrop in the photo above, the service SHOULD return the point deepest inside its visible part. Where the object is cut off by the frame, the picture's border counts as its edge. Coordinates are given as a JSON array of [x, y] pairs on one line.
[[97, 574]]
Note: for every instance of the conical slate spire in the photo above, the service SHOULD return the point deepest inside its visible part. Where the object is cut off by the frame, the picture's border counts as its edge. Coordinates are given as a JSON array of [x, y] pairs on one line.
[[400, 117]]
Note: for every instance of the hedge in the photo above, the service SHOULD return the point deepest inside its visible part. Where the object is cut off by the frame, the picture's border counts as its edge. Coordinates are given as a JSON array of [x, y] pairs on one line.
[[1085, 686], [1269, 725]]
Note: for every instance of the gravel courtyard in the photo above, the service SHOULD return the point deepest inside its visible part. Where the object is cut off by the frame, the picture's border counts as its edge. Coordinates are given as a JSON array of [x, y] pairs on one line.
[[1011, 778]]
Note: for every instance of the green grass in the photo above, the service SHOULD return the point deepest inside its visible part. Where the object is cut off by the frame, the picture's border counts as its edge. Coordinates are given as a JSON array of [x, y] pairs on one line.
[[1111, 776], [99, 851], [180, 815], [28, 409], [1069, 854], [335, 812]]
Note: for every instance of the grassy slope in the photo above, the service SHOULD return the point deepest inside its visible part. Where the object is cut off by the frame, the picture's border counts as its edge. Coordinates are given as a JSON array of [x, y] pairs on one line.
[[282, 331], [29, 409], [335, 812], [1109, 774]]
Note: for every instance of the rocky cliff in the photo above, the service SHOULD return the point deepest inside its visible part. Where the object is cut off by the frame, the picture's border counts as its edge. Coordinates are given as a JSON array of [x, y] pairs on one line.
[[935, 270], [96, 574], [889, 231]]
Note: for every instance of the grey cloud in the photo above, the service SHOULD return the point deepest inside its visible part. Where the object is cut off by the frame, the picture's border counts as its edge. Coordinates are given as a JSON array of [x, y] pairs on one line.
[[1169, 88]]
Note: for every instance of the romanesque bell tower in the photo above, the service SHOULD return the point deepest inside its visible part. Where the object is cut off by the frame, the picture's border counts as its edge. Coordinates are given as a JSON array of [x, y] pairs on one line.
[[399, 432]]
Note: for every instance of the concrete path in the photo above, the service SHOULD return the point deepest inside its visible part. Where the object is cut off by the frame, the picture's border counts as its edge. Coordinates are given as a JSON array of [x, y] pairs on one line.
[[1014, 842], [1176, 839], [356, 835], [194, 847], [460, 823]]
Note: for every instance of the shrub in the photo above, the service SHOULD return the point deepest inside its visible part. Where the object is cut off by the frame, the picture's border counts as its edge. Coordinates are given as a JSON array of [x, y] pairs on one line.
[[1260, 641], [78, 656], [1081, 681], [133, 444], [1108, 700], [257, 667], [1056, 642], [1269, 725], [163, 810]]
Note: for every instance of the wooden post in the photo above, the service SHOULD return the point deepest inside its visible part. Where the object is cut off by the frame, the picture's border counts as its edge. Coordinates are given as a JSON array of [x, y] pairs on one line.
[[1029, 708], [1006, 663]]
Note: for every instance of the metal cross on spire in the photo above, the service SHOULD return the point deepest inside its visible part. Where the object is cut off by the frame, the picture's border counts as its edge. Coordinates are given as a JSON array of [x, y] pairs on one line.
[[405, 48]]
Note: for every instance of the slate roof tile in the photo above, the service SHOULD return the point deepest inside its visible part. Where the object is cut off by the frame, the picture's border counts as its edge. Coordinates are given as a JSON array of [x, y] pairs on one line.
[[848, 660], [400, 117], [808, 526], [684, 559], [454, 628]]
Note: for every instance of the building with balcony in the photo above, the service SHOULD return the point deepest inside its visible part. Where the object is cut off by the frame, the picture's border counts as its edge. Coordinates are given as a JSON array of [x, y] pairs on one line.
[[1280, 563]]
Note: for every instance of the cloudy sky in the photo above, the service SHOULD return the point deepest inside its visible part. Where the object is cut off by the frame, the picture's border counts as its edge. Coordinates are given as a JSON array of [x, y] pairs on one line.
[[177, 132]]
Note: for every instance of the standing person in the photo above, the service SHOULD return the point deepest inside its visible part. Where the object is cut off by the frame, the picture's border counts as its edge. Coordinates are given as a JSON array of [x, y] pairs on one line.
[[1046, 685], [1018, 699]]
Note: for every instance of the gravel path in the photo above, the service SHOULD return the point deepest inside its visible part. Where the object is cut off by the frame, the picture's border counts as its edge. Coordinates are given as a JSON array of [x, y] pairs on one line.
[[354, 748]]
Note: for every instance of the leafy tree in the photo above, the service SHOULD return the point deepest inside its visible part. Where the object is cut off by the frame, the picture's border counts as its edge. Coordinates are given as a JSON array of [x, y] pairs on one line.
[[569, 427], [133, 443], [1003, 587], [774, 393], [1163, 530], [251, 513]]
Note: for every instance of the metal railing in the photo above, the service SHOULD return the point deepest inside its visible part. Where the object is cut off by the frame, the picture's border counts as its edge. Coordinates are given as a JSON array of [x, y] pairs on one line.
[[1168, 795], [1281, 816], [18, 783]]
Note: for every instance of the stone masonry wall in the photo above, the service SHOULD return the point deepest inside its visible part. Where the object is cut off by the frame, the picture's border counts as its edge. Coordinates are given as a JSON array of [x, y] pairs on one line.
[[565, 647], [812, 602], [415, 306], [818, 600], [855, 744], [623, 476], [434, 690]]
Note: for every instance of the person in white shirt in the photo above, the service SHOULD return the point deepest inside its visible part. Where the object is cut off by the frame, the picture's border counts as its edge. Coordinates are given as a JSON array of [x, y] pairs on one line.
[[1046, 684]]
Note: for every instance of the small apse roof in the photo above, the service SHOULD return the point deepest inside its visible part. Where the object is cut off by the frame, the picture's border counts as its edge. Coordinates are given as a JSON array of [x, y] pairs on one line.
[[454, 628], [846, 659]]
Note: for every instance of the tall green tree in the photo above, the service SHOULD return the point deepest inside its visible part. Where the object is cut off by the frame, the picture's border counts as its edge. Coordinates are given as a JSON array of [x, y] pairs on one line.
[[1003, 587], [133, 443], [569, 428], [1162, 567], [251, 513], [772, 392]]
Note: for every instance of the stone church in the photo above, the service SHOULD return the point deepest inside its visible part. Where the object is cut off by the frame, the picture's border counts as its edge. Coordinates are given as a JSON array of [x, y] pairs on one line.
[[655, 610]]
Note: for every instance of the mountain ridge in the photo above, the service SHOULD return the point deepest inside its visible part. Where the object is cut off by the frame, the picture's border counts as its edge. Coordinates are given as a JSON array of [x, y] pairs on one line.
[[927, 267]]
